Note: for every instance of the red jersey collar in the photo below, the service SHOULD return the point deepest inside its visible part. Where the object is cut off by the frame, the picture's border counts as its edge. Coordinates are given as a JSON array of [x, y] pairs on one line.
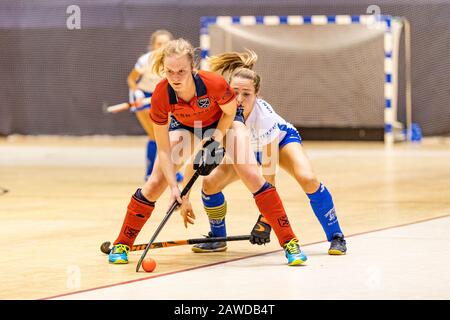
[[200, 89]]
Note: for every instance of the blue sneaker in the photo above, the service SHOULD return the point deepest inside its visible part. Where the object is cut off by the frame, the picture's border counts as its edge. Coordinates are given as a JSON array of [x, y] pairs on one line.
[[119, 254], [293, 253], [179, 177], [210, 246], [338, 245]]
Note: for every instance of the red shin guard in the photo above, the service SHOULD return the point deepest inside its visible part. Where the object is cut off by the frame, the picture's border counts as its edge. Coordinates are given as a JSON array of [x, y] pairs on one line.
[[271, 207], [137, 215]]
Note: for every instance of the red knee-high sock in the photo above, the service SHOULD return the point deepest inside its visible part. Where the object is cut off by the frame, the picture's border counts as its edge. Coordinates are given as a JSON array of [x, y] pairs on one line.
[[137, 215], [271, 207]]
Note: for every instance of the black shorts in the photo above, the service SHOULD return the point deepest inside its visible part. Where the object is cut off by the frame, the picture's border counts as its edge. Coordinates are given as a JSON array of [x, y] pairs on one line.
[[203, 132]]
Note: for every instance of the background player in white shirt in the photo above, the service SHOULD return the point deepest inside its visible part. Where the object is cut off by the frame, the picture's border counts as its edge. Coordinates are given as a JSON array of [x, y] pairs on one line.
[[273, 139], [142, 82]]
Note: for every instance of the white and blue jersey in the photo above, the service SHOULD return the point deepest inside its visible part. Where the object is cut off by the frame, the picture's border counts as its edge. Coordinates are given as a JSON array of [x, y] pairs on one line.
[[148, 80], [266, 126]]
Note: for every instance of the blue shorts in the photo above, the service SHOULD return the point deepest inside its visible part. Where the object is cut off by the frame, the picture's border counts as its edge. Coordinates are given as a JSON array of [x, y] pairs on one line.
[[177, 125], [292, 135], [198, 132]]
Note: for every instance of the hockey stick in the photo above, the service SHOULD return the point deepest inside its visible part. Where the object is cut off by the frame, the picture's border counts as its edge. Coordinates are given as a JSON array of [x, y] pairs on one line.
[[131, 106], [171, 210], [206, 161], [105, 247]]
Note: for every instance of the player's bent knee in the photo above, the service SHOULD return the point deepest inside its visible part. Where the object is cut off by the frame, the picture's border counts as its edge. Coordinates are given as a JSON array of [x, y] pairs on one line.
[[210, 186], [154, 186], [252, 179], [307, 180]]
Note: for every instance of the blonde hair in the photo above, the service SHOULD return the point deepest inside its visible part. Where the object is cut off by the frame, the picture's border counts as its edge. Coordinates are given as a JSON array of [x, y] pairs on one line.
[[160, 32], [236, 65], [173, 47]]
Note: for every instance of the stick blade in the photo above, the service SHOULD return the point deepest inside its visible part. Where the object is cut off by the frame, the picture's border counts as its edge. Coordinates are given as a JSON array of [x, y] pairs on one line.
[[105, 247], [118, 107]]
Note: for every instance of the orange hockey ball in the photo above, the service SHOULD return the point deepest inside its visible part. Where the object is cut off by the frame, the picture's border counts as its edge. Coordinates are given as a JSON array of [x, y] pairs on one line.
[[149, 264]]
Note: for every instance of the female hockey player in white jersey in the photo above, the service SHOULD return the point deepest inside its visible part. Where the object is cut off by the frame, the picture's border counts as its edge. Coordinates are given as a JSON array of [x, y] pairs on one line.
[[273, 139], [142, 82]]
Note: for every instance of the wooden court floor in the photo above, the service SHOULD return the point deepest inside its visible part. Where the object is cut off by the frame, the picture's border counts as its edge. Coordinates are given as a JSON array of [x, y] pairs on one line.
[[68, 195]]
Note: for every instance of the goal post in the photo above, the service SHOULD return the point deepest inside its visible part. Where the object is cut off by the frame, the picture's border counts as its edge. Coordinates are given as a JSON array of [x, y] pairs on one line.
[[337, 71]]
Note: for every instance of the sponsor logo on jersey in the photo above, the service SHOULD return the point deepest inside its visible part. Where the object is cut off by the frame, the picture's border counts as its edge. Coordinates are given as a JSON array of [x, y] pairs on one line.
[[203, 103], [174, 123]]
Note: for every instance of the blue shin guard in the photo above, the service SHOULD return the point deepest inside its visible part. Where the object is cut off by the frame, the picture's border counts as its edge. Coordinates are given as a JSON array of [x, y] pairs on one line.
[[323, 206], [216, 208]]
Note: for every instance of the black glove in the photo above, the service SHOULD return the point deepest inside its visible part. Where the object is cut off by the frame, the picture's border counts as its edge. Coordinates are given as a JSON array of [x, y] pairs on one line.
[[261, 232], [209, 157]]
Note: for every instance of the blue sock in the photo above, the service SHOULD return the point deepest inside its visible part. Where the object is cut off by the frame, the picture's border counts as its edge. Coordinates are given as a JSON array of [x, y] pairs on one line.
[[151, 155], [323, 207], [216, 208]]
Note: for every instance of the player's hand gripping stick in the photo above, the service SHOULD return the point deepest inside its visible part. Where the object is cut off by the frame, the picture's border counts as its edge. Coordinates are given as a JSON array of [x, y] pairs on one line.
[[205, 161]]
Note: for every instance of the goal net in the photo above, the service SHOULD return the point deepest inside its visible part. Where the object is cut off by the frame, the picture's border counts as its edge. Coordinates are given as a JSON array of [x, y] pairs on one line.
[[319, 71]]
